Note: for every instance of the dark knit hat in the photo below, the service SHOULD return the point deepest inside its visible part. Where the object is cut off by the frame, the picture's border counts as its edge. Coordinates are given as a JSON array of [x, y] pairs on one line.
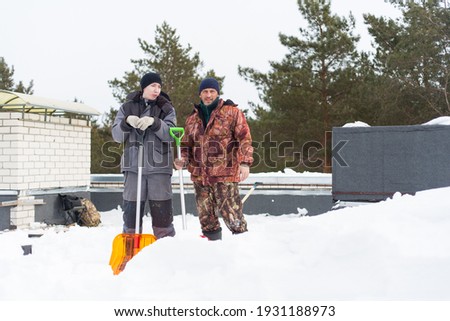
[[209, 83], [150, 78]]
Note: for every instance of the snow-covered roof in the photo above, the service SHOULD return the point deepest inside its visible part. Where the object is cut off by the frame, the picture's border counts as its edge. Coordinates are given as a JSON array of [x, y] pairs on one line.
[[13, 101], [443, 120]]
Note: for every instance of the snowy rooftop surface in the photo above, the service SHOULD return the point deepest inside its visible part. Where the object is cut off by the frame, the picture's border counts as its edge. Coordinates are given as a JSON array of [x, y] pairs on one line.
[[285, 177]]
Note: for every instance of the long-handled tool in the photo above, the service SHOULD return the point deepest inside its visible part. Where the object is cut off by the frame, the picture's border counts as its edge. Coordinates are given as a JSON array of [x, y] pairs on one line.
[[255, 185], [177, 133], [127, 245]]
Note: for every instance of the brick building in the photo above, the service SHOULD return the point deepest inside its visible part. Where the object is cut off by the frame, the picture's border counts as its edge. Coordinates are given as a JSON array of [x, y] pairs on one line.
[[45, 149]]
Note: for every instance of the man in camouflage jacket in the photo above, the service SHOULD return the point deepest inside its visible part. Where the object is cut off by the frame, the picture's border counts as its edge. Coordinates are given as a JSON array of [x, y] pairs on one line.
[[217, 150]]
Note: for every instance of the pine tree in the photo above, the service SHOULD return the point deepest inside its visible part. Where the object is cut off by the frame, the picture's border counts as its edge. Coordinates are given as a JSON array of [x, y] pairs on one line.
[[180, 70], [7, 80], [306, 91], [413, 59], [6, 75], [105, 153]]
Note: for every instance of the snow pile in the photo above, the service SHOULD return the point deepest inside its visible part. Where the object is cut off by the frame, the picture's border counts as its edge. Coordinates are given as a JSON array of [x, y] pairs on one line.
[[444, 120], [397, 249], [356, 124]]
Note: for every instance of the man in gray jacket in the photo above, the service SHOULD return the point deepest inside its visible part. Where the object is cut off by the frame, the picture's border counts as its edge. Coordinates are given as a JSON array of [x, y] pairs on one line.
[[146, 117]]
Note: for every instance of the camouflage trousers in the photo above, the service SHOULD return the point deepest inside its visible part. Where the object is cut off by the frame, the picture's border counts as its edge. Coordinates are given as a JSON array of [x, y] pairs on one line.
[[223, 199]]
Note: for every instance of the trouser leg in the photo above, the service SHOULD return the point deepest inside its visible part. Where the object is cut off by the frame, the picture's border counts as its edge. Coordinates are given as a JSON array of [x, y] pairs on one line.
[[162, 218], [129, 216], [206, 208], [231, 207], [157, 189]]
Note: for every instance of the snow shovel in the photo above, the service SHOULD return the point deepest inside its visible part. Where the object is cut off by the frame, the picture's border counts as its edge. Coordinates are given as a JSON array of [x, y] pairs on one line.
[[127, 245], [177, 133]]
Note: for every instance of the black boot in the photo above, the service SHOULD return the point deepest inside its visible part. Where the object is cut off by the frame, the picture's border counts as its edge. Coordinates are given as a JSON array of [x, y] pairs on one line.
[[213, 235]]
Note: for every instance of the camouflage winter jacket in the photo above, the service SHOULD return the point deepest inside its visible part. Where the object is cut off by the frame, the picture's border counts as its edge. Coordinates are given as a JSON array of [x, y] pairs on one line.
[[215, 152]]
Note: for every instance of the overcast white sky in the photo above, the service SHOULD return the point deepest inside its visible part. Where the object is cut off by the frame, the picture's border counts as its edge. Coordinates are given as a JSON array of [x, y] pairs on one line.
[[71, 48]]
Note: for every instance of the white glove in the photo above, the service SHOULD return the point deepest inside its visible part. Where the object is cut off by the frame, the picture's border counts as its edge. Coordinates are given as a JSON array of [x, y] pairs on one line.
[[132, 121], [145, 122]]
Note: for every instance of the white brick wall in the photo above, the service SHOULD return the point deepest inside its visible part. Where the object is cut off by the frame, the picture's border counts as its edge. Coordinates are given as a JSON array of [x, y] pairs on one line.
[[39, 153], [23, 215]]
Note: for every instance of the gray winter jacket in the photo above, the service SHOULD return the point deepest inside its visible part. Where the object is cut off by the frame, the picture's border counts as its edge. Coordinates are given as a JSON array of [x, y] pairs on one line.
[[157, 141]]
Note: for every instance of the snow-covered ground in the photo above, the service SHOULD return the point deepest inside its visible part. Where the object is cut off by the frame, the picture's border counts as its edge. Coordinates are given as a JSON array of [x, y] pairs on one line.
[[398, 249], [394, 251]]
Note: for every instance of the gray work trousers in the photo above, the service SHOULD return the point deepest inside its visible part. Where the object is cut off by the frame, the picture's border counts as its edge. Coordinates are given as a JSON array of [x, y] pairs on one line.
[[156, 189]]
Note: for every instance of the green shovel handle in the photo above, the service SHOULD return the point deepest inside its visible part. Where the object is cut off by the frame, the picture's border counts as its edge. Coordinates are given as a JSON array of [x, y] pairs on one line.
[[174, 131]]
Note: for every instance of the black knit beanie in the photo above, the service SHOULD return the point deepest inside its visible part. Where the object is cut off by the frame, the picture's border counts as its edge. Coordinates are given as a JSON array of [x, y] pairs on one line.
[[209, 83], [150, 78]]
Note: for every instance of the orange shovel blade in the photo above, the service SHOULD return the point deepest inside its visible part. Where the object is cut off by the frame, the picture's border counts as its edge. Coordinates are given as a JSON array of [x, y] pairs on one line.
[[125, 246]]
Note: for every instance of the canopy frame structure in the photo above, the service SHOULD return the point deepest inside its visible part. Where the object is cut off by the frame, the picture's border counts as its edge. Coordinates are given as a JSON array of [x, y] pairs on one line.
[[18, 102]]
